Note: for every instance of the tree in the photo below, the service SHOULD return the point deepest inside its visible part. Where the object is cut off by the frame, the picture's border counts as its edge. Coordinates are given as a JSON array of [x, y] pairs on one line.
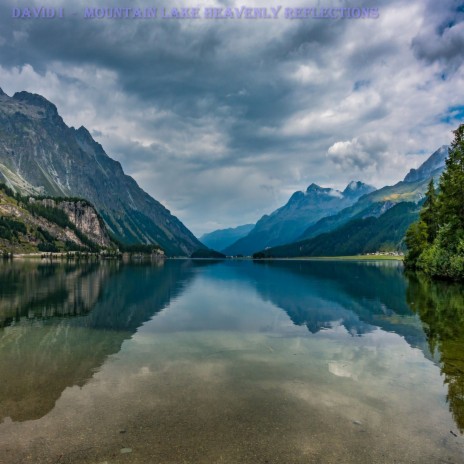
[[429, 212], [416, 241]]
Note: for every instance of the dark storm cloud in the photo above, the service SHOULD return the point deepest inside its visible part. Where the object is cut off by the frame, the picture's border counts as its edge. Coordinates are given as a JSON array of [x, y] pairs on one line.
[[190, 70], [222, 120], [442, 36]]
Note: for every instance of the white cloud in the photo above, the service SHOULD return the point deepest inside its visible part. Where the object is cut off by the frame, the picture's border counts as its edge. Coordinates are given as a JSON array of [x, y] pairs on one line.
[[223, 120], [359, 153]]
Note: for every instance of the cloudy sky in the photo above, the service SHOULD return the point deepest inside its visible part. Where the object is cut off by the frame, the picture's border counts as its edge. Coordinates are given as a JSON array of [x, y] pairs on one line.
[[221, 120]]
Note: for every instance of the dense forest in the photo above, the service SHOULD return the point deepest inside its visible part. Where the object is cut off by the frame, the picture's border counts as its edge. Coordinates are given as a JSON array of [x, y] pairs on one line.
[[436, 241]]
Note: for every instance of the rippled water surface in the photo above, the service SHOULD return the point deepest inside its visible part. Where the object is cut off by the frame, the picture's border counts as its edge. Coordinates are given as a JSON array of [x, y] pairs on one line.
[[229, 362]]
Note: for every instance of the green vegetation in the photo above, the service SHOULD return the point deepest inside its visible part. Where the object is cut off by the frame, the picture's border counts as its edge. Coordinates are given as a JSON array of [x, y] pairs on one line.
[[9, 228], [440, 306], [141, 248], [7, 190], [379, 257], [436, 242], [55, 215], [48, 247]]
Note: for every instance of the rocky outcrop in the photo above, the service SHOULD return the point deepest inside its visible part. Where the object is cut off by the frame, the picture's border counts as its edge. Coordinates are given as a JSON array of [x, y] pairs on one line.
[[84, 216], [27, 227]]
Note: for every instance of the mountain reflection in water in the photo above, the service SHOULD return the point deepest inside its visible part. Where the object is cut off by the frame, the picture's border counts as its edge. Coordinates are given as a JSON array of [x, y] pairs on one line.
[[63, 320]]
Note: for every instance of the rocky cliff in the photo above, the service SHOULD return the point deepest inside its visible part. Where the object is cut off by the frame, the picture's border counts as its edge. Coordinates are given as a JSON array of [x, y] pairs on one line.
[[84, 216], [29, 224]]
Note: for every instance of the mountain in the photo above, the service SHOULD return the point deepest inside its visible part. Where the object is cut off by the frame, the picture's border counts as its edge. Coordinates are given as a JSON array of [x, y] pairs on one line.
[[355, 190], [303, 209], [411, 189], [358, 236], [377, 221], [40, 154], [222, 238]]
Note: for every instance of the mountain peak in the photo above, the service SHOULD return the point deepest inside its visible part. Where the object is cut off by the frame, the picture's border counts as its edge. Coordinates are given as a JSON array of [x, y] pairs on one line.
[[357, 188], [2, 93], [36, 100], [296, 196], [84, 133], [354, 185], [433, 164], [313, 187]]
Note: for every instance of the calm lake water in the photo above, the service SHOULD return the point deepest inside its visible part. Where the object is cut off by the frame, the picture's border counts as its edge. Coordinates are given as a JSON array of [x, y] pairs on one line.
[[229, 362]]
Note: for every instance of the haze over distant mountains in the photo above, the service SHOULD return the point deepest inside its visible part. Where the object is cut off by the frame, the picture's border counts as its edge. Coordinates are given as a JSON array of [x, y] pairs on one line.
[[302, 210], [222, 238], [376, 222], [40, 154], [322, 210]]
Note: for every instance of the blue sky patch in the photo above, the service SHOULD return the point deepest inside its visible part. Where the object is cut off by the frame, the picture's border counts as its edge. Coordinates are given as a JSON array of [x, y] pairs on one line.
[[454, 114]]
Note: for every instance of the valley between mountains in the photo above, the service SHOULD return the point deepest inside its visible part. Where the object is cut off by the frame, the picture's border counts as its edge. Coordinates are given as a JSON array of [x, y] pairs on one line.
[[62, 192]]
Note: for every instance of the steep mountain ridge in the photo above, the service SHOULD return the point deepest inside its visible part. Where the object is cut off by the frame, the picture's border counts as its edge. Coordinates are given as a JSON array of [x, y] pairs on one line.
[[432, 167], [40, 154], [83, 215]]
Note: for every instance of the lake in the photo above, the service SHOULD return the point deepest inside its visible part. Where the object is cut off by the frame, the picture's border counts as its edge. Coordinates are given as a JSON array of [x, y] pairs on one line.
[[184, 361]]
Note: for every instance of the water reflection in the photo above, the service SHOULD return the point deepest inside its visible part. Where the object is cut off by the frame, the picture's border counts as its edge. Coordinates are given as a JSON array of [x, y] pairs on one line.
[[364, 296], [63, 320], [358, 296], [41, 290], [440, 306]]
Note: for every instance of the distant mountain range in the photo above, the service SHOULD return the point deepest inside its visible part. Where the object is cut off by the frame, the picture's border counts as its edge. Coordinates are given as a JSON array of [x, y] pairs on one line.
[[377, 221], [322, 210], [40, 154], [302, 210], [358, 236], [222, 238]]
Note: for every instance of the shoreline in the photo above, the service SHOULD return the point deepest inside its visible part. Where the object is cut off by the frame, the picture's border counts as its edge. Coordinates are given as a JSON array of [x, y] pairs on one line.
[[338, 258], [38, 255]]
